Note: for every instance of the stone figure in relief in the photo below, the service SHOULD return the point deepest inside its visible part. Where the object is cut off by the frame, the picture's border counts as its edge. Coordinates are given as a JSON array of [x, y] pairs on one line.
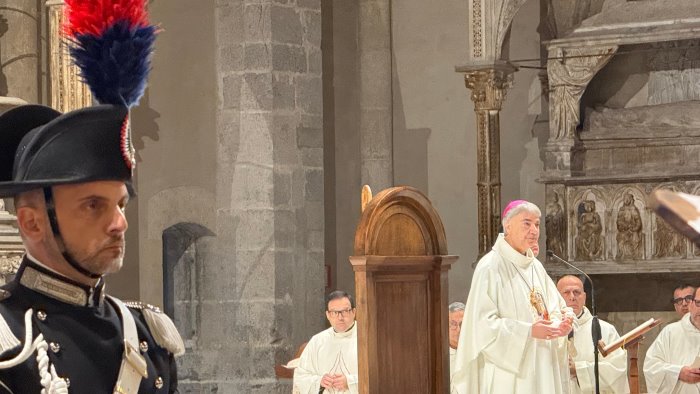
[[555, 223], [667, 242], [629, 230], [589, 240]]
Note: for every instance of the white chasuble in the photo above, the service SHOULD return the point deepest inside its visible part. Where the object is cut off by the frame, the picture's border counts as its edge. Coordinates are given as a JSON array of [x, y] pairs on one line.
[[496, 353], [677, 345], [328, 352], [612, 370]]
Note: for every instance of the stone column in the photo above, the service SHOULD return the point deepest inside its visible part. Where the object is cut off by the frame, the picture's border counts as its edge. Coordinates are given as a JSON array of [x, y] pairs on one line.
[[67, 91], [376, 124], [489, 86], [262, 284], [20, 24]]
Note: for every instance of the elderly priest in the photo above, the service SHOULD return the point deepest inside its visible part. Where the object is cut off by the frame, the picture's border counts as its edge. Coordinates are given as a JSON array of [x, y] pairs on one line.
[[613, 368], [514, 335]]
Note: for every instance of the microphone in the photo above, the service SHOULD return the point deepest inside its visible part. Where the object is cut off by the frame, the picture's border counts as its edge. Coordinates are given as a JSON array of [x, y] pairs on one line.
[[595, 324], [551, 254]]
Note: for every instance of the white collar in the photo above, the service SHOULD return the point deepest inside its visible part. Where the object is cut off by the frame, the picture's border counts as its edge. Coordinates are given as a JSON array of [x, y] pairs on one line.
[[348, 333], [585, 316], [688, 325], [503, 248]]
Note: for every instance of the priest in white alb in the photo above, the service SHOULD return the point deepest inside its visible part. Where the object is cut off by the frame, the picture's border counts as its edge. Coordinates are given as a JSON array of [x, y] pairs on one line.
[[514, 333], [670, 365], [455, 313], [328, 363], [612, 370]]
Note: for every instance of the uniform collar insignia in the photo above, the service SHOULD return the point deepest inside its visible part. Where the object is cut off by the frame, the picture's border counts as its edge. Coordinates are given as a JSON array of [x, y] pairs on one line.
[[51, 284]]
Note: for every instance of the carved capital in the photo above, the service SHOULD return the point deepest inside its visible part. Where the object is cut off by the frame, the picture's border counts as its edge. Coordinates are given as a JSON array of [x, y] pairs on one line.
[[9, 264], [489, 87], [569, 71]]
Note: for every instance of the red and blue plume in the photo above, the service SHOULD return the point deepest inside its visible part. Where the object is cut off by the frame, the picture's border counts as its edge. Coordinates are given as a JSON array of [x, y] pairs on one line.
[[111, 43]]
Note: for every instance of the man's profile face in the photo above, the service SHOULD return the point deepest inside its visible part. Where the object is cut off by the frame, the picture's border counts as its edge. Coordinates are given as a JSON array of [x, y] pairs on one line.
[[340, 314], [522, 231], [455, 327], [695, 311], [571, 289], [679, 300], [92, 223]]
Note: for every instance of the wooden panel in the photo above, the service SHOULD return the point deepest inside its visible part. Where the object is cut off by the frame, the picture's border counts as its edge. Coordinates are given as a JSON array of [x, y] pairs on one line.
[[378, 227], [403, 334], [400, 266], [401, 236]]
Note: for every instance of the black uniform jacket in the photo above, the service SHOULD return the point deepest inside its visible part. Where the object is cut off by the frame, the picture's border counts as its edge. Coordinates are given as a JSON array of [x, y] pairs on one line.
[[85, 340]]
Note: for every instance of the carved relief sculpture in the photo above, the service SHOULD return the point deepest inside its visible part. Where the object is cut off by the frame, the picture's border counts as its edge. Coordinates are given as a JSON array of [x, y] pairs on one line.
[[555, 222], [589, 240], [569, 73], [629, 230], [668, 243]]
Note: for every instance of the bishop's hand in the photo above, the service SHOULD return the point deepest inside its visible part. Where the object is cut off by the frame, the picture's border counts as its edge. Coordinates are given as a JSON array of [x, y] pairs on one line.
[[565, 327], [543, 329]]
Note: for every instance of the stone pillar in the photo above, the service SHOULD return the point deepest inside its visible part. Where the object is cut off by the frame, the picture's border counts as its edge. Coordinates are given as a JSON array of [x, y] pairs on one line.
[[262, 283], [376, 124], [67, 91], [19, 49], [489, 86]]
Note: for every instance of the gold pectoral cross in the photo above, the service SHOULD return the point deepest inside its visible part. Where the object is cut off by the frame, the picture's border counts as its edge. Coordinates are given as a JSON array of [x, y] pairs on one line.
[[537, 302]]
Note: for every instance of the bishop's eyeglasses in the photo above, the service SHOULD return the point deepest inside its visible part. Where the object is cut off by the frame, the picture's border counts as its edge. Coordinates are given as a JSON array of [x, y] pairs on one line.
[[344, 313], [688, 299]]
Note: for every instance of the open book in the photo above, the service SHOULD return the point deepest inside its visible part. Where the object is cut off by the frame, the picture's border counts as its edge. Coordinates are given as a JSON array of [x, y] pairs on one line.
[[630, 337]]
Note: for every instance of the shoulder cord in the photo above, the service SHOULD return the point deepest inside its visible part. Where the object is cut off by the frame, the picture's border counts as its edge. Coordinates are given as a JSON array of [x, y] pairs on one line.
[[50, 381], [29, 345]]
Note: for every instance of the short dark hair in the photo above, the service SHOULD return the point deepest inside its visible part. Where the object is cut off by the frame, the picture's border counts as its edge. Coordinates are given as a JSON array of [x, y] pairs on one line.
[[684, 286], [337, 295]]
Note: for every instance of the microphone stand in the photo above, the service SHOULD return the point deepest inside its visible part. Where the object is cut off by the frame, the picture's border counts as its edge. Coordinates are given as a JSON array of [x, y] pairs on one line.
[[595, 324]]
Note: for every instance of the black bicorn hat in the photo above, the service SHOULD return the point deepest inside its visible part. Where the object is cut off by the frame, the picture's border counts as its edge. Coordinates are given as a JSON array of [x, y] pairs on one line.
[[40, 147]]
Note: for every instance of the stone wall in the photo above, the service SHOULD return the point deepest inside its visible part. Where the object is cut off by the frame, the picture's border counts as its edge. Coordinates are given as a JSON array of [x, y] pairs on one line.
[[261, 278]]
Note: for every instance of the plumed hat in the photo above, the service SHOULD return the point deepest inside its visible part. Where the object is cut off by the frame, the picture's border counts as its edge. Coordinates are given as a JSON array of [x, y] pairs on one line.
[[111, 42]]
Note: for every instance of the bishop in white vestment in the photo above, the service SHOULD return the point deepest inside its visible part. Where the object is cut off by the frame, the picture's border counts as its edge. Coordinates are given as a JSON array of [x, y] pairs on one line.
[[668, 364], [513, 337], [612, 370], [329, 360]]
